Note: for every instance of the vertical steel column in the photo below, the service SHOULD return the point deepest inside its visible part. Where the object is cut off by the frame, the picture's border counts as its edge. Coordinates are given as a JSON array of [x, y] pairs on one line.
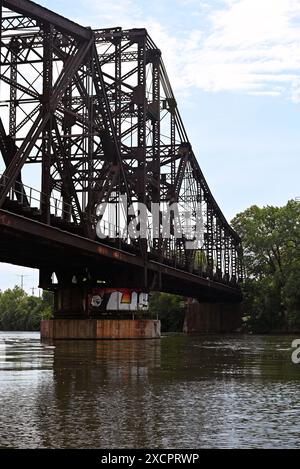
[[118, 121], [154, 188], [13, 89], [172, 142], [198, 257], [66, 129], [141, 113], [173, 160], [226, 256], [117, 90], [156, 124], [210, 240], [47, 131], [141, 137], [233, 261], [90, 170], [218, 249]]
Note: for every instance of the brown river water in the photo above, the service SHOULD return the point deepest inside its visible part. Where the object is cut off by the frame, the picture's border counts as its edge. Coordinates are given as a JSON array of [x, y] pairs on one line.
[[175, 392]]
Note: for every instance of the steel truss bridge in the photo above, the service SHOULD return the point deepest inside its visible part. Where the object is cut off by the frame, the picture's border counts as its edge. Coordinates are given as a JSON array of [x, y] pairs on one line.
[[88, 116]]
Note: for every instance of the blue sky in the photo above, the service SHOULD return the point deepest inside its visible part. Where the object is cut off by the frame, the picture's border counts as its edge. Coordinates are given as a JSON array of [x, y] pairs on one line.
[[235, 69]]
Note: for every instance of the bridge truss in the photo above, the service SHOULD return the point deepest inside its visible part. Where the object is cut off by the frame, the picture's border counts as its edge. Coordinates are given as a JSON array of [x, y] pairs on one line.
[[88, 116]]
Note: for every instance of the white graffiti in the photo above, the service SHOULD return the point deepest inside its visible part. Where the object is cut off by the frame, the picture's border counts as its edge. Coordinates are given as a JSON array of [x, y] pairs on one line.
[[96, 301], [120, 300]]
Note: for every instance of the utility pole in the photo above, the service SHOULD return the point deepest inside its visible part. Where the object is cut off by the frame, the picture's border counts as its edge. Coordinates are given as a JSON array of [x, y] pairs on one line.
[[22, 280]]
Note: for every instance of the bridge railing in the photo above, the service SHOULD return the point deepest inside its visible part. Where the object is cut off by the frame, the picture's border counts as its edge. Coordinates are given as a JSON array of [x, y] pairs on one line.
[[28, 196]]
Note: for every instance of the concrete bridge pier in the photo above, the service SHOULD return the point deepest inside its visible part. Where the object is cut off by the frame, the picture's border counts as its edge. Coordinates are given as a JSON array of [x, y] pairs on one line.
[[95, 329], [210, 318], [82, 312]]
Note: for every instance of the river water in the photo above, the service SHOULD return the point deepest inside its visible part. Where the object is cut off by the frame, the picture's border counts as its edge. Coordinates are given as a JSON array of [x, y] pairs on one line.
[[176, 392]]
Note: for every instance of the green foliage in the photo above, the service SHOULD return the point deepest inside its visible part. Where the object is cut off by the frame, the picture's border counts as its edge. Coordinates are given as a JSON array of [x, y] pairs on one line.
[[170, 310], [19, 311], [271, 240]]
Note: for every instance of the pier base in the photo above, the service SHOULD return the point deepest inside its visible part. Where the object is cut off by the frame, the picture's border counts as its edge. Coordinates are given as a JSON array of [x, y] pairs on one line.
[[100, 329], [203, 318]]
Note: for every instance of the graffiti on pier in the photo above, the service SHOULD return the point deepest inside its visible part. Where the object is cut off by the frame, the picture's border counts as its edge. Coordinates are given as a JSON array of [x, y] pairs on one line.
[[118, 299]]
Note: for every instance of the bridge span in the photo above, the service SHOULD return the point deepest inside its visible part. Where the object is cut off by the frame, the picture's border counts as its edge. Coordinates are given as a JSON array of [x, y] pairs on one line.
[[100, 188]]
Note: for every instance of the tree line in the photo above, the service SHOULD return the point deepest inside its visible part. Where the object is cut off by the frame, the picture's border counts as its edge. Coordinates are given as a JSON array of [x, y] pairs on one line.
[[271, 243], [22, 312]]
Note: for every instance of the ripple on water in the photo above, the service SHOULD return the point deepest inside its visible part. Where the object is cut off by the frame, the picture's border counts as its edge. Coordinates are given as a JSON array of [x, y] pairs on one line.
[[184, 392]]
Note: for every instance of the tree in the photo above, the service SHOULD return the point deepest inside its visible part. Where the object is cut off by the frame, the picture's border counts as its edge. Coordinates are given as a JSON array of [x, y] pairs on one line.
[[18, 311], [169, 309], [271, 240]]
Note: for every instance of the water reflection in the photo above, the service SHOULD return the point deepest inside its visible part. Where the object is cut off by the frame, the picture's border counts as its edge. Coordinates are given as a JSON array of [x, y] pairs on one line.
[[179, 391]]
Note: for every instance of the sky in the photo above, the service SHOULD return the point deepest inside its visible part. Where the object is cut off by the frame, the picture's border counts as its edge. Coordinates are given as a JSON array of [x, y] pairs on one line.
[[234, 66]]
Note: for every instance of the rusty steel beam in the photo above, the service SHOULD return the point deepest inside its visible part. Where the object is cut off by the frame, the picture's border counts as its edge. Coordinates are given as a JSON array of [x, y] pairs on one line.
[[18, 161], [43, 236], [97, 113], [42, 14]]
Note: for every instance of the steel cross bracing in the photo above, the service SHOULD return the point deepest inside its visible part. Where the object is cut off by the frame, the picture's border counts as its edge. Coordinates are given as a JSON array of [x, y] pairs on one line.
[[88, 116]]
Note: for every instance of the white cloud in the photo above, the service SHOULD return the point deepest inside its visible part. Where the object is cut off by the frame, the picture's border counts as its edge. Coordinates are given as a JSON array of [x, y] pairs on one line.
[[106, 14], [251, 46]]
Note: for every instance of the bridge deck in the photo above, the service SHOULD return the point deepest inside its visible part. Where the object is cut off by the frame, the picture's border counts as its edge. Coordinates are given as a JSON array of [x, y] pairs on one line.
[[34, 244]]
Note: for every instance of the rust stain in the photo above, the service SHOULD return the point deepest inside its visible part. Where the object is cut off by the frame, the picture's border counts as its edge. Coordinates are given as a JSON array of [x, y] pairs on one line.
[[102, 250], [4, 220], [110, 253]]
